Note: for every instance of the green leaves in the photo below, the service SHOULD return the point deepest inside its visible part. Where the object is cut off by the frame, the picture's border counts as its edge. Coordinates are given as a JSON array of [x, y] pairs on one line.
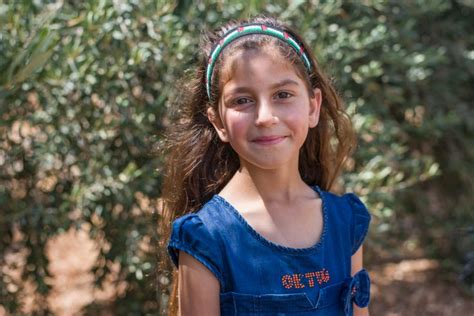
[[34, 52], [85, 87]]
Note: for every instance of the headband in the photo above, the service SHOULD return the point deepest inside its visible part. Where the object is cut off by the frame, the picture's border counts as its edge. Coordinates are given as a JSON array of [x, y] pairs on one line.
[[240, 31]]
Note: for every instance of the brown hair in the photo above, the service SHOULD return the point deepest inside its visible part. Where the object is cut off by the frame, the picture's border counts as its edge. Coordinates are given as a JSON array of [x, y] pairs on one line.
[[198, 165]]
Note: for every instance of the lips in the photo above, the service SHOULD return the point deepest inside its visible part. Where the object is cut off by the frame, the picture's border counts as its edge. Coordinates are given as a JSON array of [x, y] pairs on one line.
[[268, 140]]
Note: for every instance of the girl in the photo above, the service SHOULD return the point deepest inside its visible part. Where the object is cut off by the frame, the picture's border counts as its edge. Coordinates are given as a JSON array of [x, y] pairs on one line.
[[259, 140]]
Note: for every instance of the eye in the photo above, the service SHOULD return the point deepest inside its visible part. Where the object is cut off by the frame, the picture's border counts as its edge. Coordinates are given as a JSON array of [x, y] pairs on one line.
[[284, 95], [241, 101]]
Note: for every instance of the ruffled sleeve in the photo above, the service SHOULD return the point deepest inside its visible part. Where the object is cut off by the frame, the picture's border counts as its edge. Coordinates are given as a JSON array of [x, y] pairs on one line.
[[189, 234], [360, 221]]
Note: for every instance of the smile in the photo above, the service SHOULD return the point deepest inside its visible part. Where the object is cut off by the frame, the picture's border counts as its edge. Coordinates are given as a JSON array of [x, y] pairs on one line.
[[268, 140]]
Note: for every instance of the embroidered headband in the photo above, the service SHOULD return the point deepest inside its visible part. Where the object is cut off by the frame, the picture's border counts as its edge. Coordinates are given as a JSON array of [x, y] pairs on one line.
[[240, 31]]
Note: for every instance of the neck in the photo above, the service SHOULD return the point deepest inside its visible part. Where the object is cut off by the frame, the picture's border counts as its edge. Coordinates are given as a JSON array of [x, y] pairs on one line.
[[270, 185]]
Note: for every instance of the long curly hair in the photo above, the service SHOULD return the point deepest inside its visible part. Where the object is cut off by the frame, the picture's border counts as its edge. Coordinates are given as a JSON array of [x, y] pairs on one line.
[[198, 165]]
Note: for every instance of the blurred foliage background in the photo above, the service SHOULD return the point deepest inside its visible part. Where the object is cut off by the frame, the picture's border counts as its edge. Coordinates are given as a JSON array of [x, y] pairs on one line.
[[85, 88]]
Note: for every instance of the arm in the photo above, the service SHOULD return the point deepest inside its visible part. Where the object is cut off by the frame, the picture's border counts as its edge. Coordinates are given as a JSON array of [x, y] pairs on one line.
[[356, 265], [198, 288]]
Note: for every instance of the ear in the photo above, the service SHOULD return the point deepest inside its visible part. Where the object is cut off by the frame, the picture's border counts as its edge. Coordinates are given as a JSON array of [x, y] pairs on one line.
[[315, 107], [216, 121]]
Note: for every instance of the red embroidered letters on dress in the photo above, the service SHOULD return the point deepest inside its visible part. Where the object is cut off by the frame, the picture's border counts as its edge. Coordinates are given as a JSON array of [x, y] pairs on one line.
[[299, 280]]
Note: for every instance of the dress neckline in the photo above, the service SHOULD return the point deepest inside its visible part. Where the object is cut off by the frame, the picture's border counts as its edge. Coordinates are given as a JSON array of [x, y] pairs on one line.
[[219, 199]]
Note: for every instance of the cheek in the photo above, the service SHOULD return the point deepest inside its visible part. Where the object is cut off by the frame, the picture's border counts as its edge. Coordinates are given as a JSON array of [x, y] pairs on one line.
[[297, 118], [237, 123]]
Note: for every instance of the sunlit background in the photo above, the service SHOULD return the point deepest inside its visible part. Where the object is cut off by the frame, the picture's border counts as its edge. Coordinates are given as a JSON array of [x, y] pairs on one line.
[[85, 88]]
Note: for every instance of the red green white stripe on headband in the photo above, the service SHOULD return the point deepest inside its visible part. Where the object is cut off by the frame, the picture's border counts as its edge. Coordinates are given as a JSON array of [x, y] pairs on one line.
[[248, 30]]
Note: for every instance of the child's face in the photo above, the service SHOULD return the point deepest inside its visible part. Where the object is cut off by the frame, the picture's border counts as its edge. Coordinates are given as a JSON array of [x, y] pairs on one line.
[[265, 110]]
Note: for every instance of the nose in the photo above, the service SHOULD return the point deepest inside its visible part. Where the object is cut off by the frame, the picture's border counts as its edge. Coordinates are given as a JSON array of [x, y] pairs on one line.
[[265, 115]]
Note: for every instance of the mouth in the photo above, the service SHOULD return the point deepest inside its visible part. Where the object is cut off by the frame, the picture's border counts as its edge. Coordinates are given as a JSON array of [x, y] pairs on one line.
[[268, 140]]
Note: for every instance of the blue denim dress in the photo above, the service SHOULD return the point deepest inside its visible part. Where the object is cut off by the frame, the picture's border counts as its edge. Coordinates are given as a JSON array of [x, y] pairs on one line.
[[259, 277]]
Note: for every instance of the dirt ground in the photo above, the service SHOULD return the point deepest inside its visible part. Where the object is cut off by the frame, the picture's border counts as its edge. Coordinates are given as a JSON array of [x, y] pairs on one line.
[[414, 287], [410, 287]]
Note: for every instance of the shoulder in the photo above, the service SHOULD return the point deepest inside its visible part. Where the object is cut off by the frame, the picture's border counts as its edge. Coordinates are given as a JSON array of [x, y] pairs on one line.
[[349, 211], [195, 234], [200, 224], [359, 210], [346, 205], [204, 218]]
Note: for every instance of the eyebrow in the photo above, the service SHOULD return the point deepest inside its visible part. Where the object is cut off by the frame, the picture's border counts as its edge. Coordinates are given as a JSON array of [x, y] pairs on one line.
[[284, 82]]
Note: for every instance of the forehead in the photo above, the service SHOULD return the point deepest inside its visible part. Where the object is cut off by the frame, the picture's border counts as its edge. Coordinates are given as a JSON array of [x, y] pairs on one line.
[[256, 68]]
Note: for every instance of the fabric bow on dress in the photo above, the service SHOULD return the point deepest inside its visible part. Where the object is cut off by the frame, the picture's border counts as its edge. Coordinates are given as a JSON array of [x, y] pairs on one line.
[[356, 290]]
